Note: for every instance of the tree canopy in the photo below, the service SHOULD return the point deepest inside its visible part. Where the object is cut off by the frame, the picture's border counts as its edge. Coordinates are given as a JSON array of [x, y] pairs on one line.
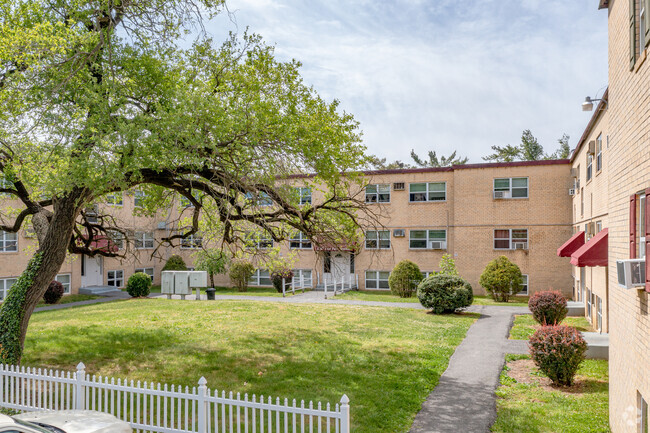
[[434, 161], [529, 149]]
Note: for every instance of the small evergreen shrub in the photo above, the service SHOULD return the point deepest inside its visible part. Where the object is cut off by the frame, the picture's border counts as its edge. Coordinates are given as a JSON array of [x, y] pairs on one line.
[[404, 279], [445, 293], [139, 285], [548, 308], [558, 351], [240, 272], [175, 263], [278, 275], [54, 293], [501, 278]]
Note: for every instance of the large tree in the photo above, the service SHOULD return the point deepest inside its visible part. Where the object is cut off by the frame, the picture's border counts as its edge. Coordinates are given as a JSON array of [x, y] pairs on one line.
[[104, 96], [434, 161], [528, 149]]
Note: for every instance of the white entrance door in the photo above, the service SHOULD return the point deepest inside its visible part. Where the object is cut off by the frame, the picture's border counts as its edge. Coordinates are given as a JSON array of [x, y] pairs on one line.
[[340, 266], [91, 271]]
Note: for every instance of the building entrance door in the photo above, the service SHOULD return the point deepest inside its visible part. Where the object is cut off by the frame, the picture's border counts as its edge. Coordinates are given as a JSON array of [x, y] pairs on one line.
[[91, 271], [340, 265]]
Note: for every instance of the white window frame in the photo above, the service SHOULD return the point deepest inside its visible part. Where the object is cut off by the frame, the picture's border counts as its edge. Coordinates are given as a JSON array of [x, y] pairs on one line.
[[306, 273], [8, 242], [115, 276], [510, 239], [427, 192], [5, 286], [117, 238], [524, 287], [258, 241], [427, 274], [380, 237], [148, 271], [381, 193], [259, 276], [641, 28], [590, 165], [599, 314], [376, 279], [138, 198], [111, 199], [599, 153], [261, 200], [144, 240], [300, 241], [67, 285], [640, 228], [589, 305], [304, 194], [511, 188], [427, 239], [192, 242]]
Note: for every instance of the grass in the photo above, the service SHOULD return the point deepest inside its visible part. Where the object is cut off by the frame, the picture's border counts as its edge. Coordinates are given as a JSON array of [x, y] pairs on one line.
[[531, 408], [251, 291], [525, 326], [386, 296], [515, 301], [70, 298], [387, 360]]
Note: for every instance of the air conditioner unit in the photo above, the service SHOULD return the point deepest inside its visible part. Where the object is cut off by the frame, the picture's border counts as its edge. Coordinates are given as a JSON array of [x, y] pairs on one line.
[[501, 194], [520, 245], [592, 147], [437, 245], [162, 225], [572, 191], [399, 233], [577, 186], [398, 186], [631, 273], [574, 172], [591, 229]]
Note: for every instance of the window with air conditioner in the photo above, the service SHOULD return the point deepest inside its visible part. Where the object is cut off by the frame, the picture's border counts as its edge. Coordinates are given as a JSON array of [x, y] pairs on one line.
[[428, 239], [510, 187], [511, 239], [631, 273]]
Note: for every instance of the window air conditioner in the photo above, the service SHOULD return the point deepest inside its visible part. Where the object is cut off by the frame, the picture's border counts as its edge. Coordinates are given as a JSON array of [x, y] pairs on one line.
[[520, 245], [162, 225], [398, 186], [501, 194], [572, 191], [437, 245], [574, 172], [631, 273], [592, 147], [399, 233]]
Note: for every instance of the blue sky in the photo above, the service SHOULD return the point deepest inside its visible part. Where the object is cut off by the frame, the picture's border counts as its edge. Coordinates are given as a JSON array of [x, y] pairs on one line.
[[442, 74]]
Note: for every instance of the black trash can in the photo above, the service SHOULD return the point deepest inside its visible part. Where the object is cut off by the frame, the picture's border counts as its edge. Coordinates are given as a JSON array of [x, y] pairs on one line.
[[210, 293]]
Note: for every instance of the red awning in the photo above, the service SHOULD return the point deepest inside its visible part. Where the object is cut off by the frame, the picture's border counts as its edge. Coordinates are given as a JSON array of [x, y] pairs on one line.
[[103, 243], [593, 253], [570, 246]]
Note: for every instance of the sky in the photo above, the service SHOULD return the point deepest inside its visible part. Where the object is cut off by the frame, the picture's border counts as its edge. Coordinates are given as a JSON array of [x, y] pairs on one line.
[[441, 75]]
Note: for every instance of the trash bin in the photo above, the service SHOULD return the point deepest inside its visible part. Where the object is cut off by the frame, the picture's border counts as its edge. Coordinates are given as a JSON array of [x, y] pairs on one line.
[[210, 292]]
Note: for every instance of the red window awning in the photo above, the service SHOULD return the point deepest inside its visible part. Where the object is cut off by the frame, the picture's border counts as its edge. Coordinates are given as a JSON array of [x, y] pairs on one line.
[[103, 243], [593, 253], [570, 246]]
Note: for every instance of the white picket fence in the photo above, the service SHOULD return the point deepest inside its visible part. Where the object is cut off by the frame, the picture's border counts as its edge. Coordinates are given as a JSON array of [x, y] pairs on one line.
[[166, 409]]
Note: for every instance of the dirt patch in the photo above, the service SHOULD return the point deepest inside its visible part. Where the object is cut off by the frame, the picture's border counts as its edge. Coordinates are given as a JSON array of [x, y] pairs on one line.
[[525, 371]]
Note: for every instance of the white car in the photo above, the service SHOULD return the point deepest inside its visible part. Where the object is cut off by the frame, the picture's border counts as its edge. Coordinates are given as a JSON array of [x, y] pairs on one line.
[[63, 421]]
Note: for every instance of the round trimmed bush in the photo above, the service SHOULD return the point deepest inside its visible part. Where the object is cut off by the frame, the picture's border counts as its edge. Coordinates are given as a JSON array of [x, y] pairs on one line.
[[548, 308], [175, 263], [558, 351], [54, 293], [404, 279], [500, 278], [139, 285], [445, 293], [278, 275]]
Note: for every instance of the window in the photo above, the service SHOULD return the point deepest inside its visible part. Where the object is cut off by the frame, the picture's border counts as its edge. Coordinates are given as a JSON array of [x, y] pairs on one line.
[[378, 193], [590, 160], [599, 153], [589, 305], [117, 238], [65, 280], [114, 199], [139, 198], [261, 199], [599, 314], [427, 274], [510, 239], [185, 202], [421, 239], [378, 239], [300, 241], [433, 191], [143, 240], [259, 241], [523, 288], [5, 184], [5, 286], [640, 225], [327, 263], [642, 408], [261, 277], [192, 242], [599, 226], [512, 187], [8, 242], [582, 201], [115, 278], [304, 194], [377, 279], [642, 28], [583, 284], [302, 276], [352, 260], [148, 271]]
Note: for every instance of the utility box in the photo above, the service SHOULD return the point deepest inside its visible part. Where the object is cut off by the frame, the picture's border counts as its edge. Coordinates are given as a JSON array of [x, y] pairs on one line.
[[198, 279], [167, 282], [182, 283]]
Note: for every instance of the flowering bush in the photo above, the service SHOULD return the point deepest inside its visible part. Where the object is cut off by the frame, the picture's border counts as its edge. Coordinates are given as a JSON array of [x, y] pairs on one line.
[[278, 275], [53, 293], [558, 351], [548, 308]]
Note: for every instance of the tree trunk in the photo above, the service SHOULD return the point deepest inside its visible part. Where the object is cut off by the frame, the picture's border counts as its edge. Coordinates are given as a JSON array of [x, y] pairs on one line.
[[54, 237]]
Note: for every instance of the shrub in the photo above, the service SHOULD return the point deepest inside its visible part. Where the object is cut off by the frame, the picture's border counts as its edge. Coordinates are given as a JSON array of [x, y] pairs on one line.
[[445, 293], [404, 279], [500, 278], [175, 263], [240, 272], [548, 308], [558, 351], [53, 293], [448, 265], [139, 285], [278, 275]]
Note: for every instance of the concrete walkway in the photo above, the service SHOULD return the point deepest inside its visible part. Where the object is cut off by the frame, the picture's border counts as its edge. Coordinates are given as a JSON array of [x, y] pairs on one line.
[[109, 297]]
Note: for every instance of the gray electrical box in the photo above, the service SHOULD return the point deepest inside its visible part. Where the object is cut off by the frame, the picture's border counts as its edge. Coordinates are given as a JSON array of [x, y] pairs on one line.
[[167, 282], [198, 279], [182, 283]]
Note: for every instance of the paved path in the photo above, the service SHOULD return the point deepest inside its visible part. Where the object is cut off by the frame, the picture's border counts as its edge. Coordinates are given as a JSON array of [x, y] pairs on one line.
[[464, 399], [112, 296]]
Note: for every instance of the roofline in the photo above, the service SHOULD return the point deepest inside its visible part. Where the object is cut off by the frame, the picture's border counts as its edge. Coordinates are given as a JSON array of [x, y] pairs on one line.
[[450, 169], [603, 4], [600, 109]]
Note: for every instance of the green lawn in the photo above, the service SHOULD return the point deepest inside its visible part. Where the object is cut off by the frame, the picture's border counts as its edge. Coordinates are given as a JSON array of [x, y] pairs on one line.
[[251, 291], [70, 298], [525, 326], [385, 296], [531, 408], [515, 301], [387, 360]]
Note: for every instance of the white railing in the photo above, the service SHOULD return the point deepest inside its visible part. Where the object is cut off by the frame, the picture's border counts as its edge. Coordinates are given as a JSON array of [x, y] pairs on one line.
[[165, 409], [339, 287], [286, 286]]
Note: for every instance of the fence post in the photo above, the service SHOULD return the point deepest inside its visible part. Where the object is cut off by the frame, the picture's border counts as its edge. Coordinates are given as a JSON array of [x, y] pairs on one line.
[[325, 286], [80, 377], [345, 414], [283, 283], [201, 406]]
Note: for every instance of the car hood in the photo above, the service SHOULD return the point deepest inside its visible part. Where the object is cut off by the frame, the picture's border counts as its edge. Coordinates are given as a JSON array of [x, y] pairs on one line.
[[78, 421]]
